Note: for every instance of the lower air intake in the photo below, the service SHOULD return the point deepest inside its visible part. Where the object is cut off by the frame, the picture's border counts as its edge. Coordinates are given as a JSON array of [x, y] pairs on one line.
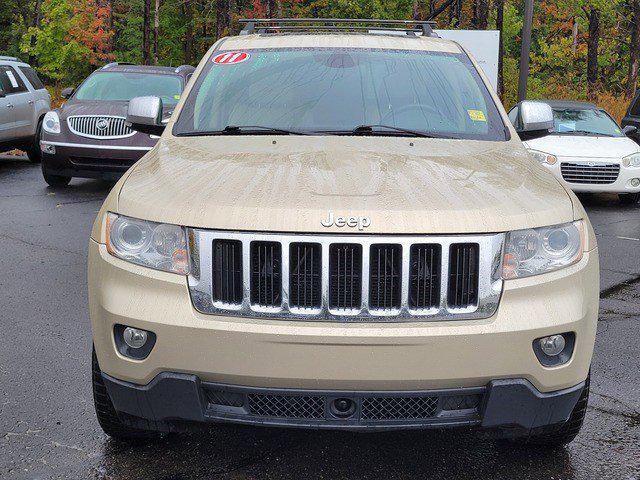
[[283, 406]]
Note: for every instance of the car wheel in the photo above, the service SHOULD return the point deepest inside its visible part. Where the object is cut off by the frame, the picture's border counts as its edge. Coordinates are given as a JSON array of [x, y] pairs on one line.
[[33, 152], [56, 180], [107, 415], [567, 432], [629, 198]]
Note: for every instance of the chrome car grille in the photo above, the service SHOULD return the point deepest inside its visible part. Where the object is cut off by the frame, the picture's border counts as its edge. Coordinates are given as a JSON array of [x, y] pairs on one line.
[[345, 278], [600, 174], [99, 126]]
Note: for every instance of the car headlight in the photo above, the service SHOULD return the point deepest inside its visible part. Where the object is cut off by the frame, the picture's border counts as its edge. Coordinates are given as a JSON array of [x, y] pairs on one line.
[[540, 250], [155, 245], [632, 161], [51, 122], [543, 157]]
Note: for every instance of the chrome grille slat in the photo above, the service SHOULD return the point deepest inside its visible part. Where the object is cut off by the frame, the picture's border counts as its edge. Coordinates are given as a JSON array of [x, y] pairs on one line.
[[473, 299], [87, 126], [601, 174]]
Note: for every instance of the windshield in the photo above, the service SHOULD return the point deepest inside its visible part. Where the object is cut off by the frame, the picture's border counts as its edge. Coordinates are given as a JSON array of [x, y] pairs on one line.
[[585, 122], [126, 85], [329, 90]]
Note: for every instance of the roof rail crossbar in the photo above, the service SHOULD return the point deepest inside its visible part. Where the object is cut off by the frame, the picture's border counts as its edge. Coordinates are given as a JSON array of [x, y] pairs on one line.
[[7, 58], [284, 25], [113, 64]]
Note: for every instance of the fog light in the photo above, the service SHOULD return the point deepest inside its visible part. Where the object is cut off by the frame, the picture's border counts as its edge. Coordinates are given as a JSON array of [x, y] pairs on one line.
[[553, 345], [134, 338], [635, 182]]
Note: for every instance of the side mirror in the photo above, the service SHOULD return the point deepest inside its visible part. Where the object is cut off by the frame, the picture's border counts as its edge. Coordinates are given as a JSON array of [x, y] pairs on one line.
[[536, 120], [145, 115], [2, 94], [630, 130], [67, 92]]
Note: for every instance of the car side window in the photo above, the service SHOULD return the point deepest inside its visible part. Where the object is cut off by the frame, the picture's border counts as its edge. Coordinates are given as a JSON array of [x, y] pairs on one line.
[[635, 107], [11, 81], [32, 77]]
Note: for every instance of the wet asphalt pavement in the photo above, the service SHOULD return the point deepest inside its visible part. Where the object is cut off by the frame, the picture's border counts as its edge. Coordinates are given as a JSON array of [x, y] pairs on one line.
[[48, 428]]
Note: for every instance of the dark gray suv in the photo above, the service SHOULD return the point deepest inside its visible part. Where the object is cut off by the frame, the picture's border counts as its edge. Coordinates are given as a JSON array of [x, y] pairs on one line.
[[88, 137]]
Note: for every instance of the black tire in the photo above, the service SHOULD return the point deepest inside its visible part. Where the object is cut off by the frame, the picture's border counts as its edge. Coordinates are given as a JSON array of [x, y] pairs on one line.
[[107, 416], [629, 198], [55, 180], [568, 431], [33, 151]]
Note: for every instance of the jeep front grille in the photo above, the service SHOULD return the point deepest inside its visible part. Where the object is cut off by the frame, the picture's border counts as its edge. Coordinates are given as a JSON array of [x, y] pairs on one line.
[[104, 127], [345, 278], [599, 174]]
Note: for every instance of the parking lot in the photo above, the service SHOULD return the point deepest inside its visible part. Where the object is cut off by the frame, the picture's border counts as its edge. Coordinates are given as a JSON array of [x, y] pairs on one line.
[[48, 428]]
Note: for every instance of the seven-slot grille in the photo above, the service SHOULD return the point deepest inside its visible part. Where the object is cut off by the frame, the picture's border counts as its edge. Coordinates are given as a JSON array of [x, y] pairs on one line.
[[345, 278], [99, 126], [600, 173]]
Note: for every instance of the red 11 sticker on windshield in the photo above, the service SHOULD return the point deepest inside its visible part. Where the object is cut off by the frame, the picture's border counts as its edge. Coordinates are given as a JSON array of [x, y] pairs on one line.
[[230, 58]]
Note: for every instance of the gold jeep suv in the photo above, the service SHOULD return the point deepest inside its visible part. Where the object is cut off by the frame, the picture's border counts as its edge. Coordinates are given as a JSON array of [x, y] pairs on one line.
[[340, 229]]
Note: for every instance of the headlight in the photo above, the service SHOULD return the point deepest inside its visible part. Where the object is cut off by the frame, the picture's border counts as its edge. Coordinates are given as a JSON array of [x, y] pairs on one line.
[[632, 161], [155, 245], [544, 157], [541, 250], [51, 122]]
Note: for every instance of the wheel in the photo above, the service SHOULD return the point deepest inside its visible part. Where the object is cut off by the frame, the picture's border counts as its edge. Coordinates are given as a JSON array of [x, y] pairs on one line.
[[106, 413], [56, 180], [629, 198], [568, 431], [33, 152]]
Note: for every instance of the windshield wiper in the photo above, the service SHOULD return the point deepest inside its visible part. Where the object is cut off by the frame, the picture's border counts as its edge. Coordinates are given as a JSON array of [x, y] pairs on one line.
[[245, 130], [585, 132], [371, 130]]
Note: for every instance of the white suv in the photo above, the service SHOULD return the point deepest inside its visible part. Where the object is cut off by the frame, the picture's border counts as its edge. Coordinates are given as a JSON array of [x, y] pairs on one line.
[[23, 103]]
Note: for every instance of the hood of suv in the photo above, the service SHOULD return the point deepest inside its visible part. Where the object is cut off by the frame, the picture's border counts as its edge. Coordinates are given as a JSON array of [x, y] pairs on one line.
[[571, 146], [291, 184]]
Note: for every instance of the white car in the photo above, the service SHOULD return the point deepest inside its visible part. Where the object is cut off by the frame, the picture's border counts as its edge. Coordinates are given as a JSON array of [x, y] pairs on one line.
[[587, 149]]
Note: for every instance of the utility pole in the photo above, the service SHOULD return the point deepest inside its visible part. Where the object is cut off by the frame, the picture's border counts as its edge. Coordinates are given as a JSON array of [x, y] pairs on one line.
[[526, 49]]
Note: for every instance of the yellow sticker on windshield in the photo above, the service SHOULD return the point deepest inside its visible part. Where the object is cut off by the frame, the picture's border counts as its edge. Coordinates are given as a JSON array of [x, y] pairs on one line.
[[176, 97], [477, 115]]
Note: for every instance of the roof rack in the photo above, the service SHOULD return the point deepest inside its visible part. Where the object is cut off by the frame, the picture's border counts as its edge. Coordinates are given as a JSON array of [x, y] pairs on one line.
[[115, 64], [339, 25], [10, 59]]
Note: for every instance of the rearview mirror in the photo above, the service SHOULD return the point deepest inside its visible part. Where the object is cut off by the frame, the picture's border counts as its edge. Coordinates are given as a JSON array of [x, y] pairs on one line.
[[145, 115], [536, 120], [67, 92], [630, 130]]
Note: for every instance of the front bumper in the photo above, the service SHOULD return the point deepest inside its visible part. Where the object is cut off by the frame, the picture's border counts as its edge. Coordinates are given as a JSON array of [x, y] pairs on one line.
[[89, 160], [174, 401], [288, 354]]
